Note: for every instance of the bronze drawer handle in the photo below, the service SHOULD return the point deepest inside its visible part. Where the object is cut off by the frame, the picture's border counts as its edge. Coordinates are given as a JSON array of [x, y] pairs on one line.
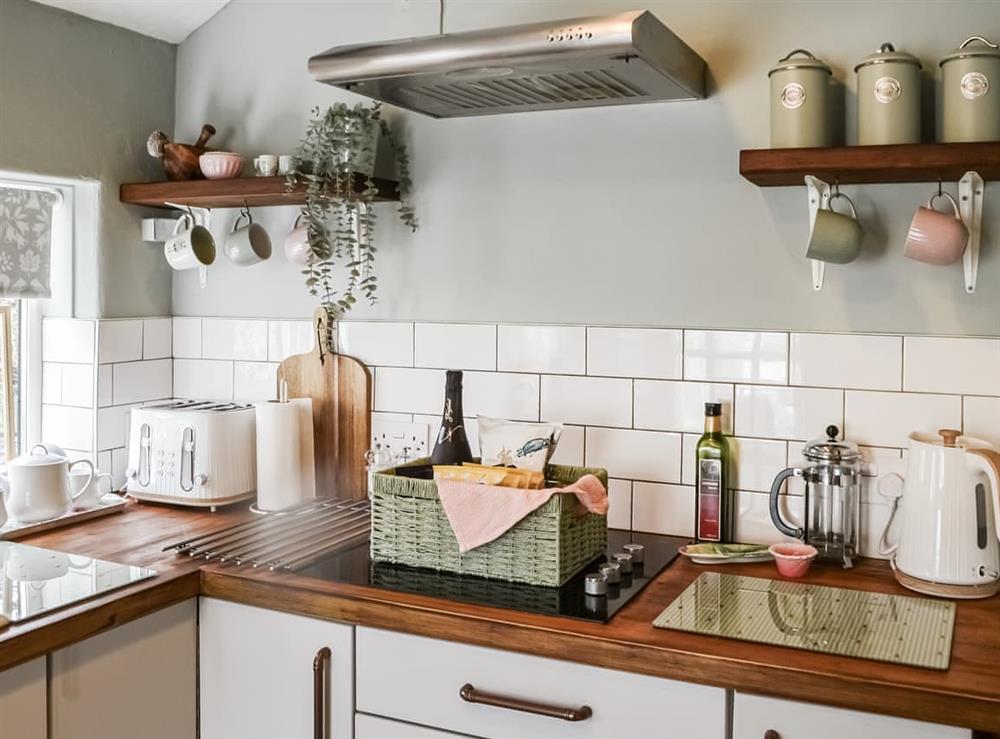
[[320, 710], [470, 695]]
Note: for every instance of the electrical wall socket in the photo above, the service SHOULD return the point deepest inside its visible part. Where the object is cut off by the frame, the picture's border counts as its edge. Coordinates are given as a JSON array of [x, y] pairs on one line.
[[398, 436]]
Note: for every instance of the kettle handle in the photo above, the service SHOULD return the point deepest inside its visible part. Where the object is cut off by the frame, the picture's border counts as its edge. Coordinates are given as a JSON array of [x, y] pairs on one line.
[[776, 518], [90, 478], [988, 461]]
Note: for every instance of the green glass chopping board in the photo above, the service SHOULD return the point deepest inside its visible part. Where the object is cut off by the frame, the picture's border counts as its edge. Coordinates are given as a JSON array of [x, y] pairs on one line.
[[888, 628]]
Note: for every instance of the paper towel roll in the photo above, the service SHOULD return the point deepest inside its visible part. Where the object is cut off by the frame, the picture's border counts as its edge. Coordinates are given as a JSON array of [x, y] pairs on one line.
[[286, 472]]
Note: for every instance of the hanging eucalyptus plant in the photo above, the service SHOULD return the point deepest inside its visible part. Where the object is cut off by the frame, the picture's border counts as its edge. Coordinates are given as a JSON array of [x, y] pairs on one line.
[[335, 160]]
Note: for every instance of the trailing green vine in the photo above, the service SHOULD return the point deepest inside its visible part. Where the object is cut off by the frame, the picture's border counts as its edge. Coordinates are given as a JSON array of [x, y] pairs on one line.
[[338, 149]]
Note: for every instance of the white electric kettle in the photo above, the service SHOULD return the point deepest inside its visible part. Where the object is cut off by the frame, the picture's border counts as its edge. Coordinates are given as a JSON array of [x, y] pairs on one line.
[[36, 487], [949, 517]]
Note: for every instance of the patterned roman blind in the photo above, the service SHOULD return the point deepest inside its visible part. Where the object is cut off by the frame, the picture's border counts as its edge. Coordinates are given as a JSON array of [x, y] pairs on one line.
[[25, 242]]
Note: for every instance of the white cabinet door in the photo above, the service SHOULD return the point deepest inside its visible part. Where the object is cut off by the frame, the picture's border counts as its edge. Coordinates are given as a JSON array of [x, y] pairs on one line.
[[376, 727], [418, 680], [136, 680], [753, 716], [257, 673], [23, 701]]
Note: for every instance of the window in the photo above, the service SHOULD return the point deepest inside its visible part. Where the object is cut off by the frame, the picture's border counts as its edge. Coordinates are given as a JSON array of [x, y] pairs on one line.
[[21, 326], [10, 330]]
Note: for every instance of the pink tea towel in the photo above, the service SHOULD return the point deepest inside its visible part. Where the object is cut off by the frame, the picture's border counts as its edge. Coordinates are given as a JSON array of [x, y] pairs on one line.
[[478, 514]]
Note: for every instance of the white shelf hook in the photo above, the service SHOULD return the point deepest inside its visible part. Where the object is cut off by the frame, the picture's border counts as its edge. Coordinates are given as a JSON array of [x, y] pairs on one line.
[[819, 197], [970, 205]]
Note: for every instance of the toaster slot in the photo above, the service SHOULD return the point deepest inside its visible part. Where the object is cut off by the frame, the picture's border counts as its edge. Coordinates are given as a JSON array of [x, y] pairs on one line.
[[145, 455], [187, 460]]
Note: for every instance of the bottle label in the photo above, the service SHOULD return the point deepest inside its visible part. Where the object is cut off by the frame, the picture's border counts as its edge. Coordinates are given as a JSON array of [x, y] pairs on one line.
[[709, 499]]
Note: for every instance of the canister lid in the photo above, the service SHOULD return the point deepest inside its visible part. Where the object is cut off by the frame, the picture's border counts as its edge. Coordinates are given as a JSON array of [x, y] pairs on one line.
[[828, 449], [973, 46], [887, 53], [799, 59]]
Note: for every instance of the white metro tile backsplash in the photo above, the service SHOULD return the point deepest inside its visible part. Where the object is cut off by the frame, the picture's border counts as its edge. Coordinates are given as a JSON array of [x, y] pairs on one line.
[[663, 509], [465, 346], [887, 419], [680, 406], [736, 356], [376, 343], [632, 398], [619, 504], [203, 379], [286, 338], [951, 365], [157, 338], [138, 382], [499, 395], [255, 381], [570, 448], [981, 418], [596, 401], [187, 338], [635, 352], [654, 456], [223, 338], [69, 340], [560, 350], [846, 361], [787, 412], [119, 341]]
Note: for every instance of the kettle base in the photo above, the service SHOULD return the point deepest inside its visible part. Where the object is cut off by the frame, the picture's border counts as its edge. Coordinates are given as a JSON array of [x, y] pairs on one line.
[[946, 590]]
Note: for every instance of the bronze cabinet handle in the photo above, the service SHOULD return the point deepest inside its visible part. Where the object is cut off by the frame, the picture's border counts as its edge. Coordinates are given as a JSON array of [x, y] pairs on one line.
[[470, 695], [320, 709], [771, 734]]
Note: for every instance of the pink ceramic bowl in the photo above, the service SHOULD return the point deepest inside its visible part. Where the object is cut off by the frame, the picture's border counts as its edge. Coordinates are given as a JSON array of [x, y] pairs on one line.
[[220, 165], [792, 560]]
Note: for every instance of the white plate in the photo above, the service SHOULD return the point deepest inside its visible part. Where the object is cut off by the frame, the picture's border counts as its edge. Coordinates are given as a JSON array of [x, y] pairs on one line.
[[722, 559]]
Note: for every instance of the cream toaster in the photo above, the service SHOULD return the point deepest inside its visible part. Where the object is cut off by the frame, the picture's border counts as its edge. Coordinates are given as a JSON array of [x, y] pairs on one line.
[[190, 452]]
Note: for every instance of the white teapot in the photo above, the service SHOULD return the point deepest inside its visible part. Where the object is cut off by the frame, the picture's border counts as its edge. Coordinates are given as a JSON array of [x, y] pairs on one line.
[[36, 487]]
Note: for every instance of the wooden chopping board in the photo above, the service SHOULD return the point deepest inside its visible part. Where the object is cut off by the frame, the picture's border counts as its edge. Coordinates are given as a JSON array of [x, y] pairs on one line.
[[341, 392]]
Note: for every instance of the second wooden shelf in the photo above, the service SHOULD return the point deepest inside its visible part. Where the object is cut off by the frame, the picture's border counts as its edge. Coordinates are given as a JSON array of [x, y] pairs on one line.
[[871, 164], [254, 191]]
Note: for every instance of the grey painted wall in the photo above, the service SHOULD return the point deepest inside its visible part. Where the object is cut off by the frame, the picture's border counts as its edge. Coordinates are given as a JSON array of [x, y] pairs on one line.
[[78, 99], [633, 215]]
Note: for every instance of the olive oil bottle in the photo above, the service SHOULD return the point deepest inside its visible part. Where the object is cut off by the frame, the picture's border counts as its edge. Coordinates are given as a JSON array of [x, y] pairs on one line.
[[713, 498]]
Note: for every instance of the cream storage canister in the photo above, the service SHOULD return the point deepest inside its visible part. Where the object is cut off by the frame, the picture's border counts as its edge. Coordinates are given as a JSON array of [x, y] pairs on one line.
[[970, 92], [800, 110], [888, 98]]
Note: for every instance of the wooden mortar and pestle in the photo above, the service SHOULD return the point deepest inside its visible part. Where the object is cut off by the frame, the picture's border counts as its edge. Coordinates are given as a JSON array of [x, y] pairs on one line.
[[180, 161]]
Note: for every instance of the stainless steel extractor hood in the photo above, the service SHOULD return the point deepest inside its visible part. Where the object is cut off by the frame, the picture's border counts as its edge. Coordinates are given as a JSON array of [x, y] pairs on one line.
[[605, 60]]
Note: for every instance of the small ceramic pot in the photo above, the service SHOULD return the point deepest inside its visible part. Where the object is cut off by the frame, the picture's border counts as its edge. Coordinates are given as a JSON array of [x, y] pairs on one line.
[[220, 165], [793, 559]]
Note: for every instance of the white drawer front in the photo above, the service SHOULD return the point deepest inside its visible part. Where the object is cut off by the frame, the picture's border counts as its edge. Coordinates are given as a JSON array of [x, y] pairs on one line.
[[376, 727], [754, 715], [418, 679]]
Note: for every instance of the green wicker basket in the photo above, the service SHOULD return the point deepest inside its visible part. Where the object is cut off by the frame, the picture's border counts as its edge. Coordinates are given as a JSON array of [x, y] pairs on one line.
[[547, 547]]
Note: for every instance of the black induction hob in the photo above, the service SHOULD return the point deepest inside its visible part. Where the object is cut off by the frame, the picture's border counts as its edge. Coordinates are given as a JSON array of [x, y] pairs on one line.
[[354, 566]]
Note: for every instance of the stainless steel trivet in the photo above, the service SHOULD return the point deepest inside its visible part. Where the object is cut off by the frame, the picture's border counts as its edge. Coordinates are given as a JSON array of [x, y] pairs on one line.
[[889, 628], [288, 539]]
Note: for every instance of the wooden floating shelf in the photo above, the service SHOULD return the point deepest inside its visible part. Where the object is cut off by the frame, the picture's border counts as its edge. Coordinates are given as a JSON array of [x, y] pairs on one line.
[[254, 191], [871, 164]]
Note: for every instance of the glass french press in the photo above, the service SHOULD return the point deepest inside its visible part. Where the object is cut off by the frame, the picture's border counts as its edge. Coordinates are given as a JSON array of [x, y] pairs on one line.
[[832, 476]]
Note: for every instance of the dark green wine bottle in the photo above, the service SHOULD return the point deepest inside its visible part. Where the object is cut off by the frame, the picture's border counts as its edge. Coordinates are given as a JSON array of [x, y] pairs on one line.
[[713, 498]]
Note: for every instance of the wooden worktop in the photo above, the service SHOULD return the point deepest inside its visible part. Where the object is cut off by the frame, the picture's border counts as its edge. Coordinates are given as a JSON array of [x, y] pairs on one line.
[[967, 694]]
